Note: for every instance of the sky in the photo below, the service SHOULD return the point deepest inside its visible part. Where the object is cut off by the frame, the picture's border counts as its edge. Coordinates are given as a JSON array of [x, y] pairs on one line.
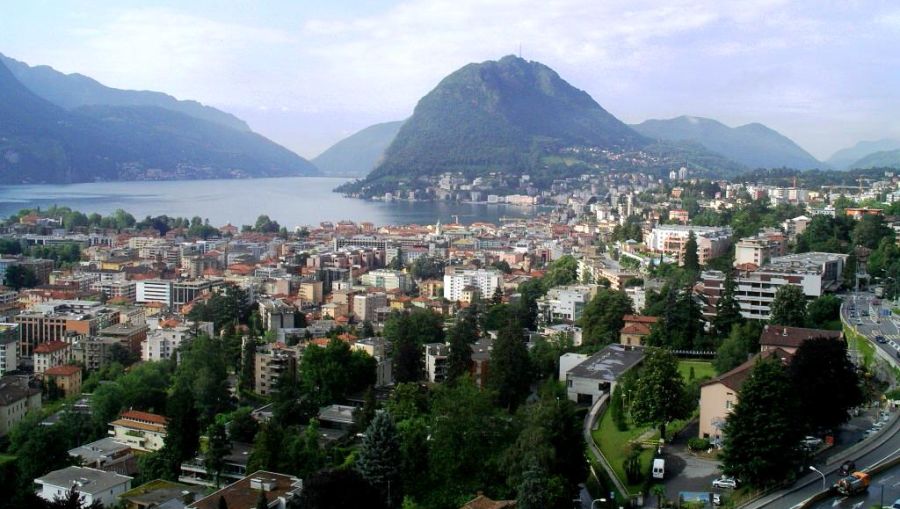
[[306, 73]]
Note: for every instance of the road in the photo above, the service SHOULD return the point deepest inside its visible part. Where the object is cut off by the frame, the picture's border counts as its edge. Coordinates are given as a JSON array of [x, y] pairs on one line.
[[885, 487], [884, 446]]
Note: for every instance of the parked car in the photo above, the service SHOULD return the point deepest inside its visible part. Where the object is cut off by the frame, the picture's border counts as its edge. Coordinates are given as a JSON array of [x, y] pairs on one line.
[[811, 443], [880, 339], [725, 482], [896, 504]]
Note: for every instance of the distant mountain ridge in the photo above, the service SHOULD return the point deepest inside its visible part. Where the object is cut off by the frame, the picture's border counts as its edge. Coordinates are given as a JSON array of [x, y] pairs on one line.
[[71, 91], [882, 159], [847, 158], [753, 145], [41, 142], [359, 153]]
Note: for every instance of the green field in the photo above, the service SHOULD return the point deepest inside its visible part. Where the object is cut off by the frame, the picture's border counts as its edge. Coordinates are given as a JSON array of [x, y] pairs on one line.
[[702, 369], [615, 446]]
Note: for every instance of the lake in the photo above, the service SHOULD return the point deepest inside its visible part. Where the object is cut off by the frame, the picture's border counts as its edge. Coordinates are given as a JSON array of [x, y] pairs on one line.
[[292, 201]]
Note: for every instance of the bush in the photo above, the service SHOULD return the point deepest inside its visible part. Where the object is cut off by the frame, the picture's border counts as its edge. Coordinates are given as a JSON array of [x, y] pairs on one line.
[[698, 444], [632, 464]]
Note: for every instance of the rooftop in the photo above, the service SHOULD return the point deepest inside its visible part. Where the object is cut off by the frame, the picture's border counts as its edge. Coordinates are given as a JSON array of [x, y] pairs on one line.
[[51, 346], [793, 337], [84, 479], [244, 493], [608, 364], [93, 451]]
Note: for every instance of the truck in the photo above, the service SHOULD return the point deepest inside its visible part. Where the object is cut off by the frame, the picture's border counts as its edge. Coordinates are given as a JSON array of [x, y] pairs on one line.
[[853, 484]]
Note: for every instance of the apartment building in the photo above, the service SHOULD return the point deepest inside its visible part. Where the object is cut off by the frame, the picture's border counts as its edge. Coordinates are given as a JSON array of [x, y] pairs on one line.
[[9, 347], [456, 279], [712, 241], [276, 314], [142, 431], [90, 484], [760, 249], [271, 362], [51, 354], [311, 292], [388, 280], [59, 321], [17, 398], [365, 306], [565, 303]]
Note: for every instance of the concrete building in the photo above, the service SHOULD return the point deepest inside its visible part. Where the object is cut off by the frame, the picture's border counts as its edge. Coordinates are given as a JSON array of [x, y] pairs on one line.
[[365, 305], [271, 362], [712, 241], [142, 431], [815, 273], [128, 335], [162, 343], [66, 377], [51, 354], [759, 249], [388, 280], [92, 484], [565, 303], [276, 314], [194, 471], [587, 381], [311, 292], [456, 279], [93, 352], [279, 490], [59, 321], [9, 347], [17, 398], [104, 454], [436, 362], [380, 349]]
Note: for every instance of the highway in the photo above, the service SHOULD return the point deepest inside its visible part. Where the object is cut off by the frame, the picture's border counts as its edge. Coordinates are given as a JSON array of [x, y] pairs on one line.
[[884, 446]]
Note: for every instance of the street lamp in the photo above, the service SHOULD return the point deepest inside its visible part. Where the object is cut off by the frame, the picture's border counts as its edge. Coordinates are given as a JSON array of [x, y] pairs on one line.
[[601, 500], [816, 470]]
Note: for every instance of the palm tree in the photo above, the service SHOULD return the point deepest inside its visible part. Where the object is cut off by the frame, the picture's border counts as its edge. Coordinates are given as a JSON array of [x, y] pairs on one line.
[[659, 491]]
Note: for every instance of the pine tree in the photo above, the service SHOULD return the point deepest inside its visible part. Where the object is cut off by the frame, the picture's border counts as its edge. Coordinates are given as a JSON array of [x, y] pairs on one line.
[[690, 261], [379, 458], [217, 447], [461, 337], [183, 429], [510, 368], [762, 432], [728, 311], [533, 492]]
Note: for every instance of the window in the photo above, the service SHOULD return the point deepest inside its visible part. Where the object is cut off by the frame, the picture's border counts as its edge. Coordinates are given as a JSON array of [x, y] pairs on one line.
[[569, 383]]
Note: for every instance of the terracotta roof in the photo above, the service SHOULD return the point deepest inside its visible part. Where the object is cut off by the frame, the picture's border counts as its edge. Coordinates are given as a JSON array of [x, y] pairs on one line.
[[482, 502], [128, 423], [640, 319], [50, 347], [735, 378], [64, 370], [793, 337], [144, 416], [635, 328]]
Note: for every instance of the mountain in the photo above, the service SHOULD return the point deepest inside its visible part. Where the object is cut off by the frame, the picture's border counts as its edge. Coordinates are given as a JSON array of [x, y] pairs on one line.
[[753, 145], [845, 158], [882, 159], [499, 115], [41, 142], [357, 154], [71, 91]]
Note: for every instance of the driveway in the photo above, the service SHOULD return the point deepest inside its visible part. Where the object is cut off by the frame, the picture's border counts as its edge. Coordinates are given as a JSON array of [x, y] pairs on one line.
[[686, 471]]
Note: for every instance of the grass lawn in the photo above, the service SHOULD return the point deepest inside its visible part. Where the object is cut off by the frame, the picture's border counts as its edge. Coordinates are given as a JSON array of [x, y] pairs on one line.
[[615, 446], [862, 345], [5, 458], [701, 369]]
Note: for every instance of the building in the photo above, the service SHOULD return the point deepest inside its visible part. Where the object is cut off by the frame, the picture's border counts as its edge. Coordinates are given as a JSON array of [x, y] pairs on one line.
[[483, 502], [796, 226], [169, 292], [142, 431], [635, 329], [92, 484], [436, 362], [194, 471], [456, 279], [161, 494], [719, 396], [106, 454], [157, 291], [162, 343], [380, 349], [59, 320], [565, 303], [388, 280], [244, 494], [50, 354], [587, 381], [17, 398], [365, 305], [93, 352], [276, 314], [66, 377], [271, 362], [759, 249], [815, 273], [789, 339], [9, 347], [712, 241], [311, 292], [128, 335]]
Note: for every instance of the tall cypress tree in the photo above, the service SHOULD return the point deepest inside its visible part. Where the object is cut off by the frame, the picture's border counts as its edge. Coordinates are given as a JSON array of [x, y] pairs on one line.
[[691, 261], [510, 368], [461, 337], [728, 311]]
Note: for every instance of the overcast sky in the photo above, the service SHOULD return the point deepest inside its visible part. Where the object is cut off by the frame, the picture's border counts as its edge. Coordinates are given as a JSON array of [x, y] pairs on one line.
[[826, 74]]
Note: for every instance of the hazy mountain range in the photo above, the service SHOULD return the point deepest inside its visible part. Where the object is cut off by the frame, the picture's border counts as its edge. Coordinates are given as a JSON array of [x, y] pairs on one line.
[[133, 136], [855, 156], [357, 154]]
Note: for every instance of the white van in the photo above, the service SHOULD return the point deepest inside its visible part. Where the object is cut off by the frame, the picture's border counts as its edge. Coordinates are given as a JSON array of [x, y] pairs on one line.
[[659, 468]]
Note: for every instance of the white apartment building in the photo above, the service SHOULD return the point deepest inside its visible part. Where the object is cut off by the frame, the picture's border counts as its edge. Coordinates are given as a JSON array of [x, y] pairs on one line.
[[9, 347], [162, 343], [92, 484], [712, 241], [154, 291], [565, 303], [388, 279], [436, 355], [456, 279], [365, 306]]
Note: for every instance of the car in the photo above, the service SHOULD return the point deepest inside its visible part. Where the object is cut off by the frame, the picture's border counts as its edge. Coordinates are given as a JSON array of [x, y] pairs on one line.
[[896, 504], [811, 443], [880, 339], [864, 313], [717, 499], [725, 482]]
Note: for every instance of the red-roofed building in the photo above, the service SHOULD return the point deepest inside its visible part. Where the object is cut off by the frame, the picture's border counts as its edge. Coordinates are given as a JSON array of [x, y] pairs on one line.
[[66, 377], [142, 431], [50, 354], [789, 339], [635, 329]]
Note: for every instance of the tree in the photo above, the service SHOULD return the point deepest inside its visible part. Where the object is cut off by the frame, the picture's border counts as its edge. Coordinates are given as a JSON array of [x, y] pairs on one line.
[[217, 448], [789, 307], [203, 369], [336, 489], [461, 337], [248, 363], [742, 341], [603, 317], [183, 429], [408, 332], [427, 267], [659, 391], [20, 276], [379, 458], [267, 447], [38, 449], [563, 271], [728, 311], [762, 434], [870, 230], [826, 383], [691, 261], [73, 500], [617, 409], [822, 310], [534, 490], [242, 427], [510, 374]]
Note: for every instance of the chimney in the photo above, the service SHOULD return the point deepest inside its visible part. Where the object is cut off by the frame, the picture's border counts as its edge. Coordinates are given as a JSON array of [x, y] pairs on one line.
[[784, 332]]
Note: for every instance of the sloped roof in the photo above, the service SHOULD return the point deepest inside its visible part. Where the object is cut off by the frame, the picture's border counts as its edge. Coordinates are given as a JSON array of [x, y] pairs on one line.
[[793, 337], [735, 378]]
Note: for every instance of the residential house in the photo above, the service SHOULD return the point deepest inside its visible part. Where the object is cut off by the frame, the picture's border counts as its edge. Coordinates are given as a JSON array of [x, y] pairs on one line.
[[92, 484], [17, 398], [636, 328], [244, 494], [161, 494], [143, 431], [789, 339], [106, 454], [194, 471], [66, 377], [50, 354]]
